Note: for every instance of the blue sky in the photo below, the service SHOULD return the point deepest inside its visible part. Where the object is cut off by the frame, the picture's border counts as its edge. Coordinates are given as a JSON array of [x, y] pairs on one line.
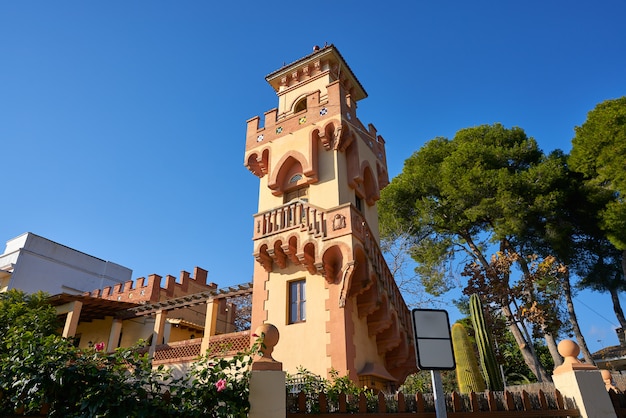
[[122, 123]]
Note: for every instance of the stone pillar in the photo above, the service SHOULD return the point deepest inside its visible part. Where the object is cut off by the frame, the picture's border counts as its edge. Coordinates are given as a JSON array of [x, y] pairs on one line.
[[114, 335], [582, 382], [268, 397], [210, 323], [157, 333], [73, 315]]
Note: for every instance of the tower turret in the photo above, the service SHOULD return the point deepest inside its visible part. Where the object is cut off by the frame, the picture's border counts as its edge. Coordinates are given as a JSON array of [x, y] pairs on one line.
[[319, 274]]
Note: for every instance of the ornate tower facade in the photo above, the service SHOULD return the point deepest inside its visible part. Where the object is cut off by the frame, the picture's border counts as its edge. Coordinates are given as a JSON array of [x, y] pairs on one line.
[[319, 274]]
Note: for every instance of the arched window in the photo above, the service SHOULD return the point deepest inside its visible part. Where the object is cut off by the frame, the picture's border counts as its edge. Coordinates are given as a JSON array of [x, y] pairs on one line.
[[299, 193], [300, 106], [295, 178]]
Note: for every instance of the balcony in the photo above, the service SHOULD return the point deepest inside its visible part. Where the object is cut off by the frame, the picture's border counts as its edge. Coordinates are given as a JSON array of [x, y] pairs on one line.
[[282, 234]]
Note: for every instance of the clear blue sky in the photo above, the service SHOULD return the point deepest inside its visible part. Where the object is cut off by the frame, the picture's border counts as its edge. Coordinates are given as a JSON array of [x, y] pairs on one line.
[[122, 123]]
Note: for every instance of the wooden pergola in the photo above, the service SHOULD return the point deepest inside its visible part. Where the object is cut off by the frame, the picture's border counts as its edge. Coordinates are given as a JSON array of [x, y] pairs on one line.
[[87, 308]]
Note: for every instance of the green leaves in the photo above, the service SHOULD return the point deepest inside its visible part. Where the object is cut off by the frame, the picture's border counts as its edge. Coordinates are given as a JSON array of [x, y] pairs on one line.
[[599, 153], [489, 184], [39, 369]]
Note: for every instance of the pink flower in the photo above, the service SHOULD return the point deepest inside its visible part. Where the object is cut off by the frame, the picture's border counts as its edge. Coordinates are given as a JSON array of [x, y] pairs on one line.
[[220, 385], [99, 346]]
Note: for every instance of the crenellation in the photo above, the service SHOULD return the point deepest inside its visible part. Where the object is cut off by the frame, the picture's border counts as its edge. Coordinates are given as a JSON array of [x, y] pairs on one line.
[[170, 283], [143, 290], [201, 275], [270, 117], [184, 280], [372, 130]]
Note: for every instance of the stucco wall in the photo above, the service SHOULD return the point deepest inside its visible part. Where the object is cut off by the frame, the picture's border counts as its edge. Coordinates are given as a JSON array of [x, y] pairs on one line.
[[302, 343], [41, 264]]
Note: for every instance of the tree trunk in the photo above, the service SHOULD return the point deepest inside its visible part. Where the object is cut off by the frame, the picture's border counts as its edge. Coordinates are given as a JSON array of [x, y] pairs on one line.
[[617, 307], [525, 347], [552, 347], [573, 320]]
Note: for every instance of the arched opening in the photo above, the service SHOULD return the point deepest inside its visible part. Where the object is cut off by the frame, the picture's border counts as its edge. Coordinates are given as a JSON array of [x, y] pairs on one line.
[[370, 186], [300, 105]]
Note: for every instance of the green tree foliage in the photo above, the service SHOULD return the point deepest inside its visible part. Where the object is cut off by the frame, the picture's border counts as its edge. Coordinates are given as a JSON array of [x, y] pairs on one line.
[[41, 371], [422, 382], [598, 153], [489, 186], [21, 313]]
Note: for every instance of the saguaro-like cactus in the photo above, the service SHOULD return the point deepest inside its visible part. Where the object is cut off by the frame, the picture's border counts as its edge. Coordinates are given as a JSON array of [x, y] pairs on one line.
[[485, 346], [467, 373]]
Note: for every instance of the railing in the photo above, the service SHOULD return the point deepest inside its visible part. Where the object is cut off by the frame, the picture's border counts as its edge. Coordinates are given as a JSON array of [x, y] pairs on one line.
[[318, 221], [189, 350], [483, 405], [290, 216]]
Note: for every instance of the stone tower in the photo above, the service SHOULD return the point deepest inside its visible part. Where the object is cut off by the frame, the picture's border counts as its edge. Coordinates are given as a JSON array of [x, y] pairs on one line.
[[319, 274]]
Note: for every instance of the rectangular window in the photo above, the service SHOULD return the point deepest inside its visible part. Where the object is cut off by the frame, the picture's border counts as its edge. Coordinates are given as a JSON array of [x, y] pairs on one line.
[[297, 301], [298, 194], [358, 203]]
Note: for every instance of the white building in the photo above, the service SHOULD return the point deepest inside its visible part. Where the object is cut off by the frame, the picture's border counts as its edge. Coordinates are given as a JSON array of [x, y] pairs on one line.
[[31, 263]]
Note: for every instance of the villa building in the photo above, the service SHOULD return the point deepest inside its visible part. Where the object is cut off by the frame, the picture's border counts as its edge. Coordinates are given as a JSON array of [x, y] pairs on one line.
[[320, 276], [33, 263]]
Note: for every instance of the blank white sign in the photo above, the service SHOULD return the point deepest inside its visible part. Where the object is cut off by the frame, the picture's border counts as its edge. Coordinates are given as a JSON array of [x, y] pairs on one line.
[[433, 343]]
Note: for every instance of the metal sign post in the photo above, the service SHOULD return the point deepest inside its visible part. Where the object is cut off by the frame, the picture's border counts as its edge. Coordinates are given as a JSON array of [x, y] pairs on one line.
[[433, 347], [438, 394]]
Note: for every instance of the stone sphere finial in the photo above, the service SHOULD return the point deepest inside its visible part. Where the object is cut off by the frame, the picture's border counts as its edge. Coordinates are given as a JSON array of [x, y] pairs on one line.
[[609, 384], [267, 335], [570, 350]]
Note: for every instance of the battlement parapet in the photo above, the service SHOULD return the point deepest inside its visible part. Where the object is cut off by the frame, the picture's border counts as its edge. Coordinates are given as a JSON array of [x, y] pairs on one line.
[[143, 290]]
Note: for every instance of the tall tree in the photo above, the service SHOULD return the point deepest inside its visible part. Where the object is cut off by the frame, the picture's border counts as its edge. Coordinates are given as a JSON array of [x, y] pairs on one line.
[[599, 154], [489, 186]]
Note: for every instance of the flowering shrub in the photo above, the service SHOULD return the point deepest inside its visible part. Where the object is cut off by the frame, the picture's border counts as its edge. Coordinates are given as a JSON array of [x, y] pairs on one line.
[[220, 385], [43, 372], [216, 387], [312, 385]]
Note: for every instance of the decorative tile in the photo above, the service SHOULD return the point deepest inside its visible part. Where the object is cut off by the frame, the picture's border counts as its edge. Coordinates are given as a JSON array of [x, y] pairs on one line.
[[279, 130], [259, 138], [302, 120], [323, 111]]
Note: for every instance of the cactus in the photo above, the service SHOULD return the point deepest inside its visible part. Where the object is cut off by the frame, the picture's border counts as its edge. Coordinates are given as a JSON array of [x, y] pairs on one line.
[[485, 346], [467, 373]]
